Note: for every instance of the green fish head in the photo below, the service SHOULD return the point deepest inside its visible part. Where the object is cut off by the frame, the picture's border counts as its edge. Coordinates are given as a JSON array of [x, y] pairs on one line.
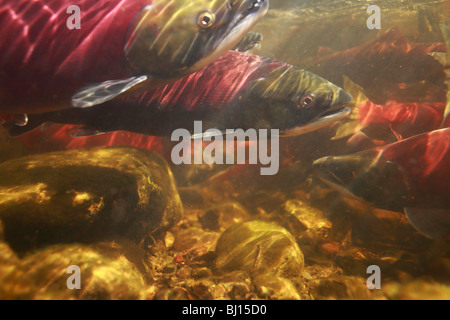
[[174, 38], [367, 177], [297, 101]]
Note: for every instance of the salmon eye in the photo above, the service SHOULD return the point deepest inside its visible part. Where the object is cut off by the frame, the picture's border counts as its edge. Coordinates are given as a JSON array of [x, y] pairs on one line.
[[255, 5], [307, 101], [206, 19]]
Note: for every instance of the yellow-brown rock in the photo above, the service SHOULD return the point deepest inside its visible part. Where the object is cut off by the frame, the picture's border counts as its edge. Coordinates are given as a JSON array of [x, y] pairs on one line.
[[82, 196], [259, 248]]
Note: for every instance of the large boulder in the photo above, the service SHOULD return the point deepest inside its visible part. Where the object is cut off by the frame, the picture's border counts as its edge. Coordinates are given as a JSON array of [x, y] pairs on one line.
[[86, 196]]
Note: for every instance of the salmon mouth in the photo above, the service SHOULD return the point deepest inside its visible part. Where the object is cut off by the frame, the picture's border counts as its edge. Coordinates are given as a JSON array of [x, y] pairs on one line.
[[338, 110], [322, 121]]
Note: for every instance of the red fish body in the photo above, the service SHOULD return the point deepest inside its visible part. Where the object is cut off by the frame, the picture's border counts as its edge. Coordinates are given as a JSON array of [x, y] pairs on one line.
[[42, 60], [402, 119], [390, 67], [237, 91], [410, 175]]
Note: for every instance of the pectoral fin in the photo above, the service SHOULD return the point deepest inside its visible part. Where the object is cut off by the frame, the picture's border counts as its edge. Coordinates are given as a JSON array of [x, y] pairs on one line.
[[432, 223], [98, 93]]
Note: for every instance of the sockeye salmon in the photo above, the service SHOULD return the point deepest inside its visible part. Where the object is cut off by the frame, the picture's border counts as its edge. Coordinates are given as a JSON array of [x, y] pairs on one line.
[[238, 90], [388, 122], [122, 45], [411, 175]]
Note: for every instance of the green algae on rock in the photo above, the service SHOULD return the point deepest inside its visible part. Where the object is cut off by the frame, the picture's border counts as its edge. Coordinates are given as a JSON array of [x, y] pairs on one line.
[[259, 248], [82, 196]]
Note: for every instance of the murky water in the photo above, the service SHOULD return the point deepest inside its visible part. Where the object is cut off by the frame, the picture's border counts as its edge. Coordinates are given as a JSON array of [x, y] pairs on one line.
[[357, 208]]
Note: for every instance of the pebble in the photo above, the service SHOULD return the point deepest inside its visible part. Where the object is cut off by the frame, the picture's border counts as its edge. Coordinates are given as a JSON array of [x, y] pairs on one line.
[[259, 248]]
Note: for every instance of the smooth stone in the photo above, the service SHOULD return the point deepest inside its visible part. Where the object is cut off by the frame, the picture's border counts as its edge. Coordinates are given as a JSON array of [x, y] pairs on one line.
[[275, 288], [195, 241], [86, 196], [14, 281], [238, 284], [259, 248], [307, 224], [104, 274], [339, 288], [417, 289], [222, 216], [305, 221]]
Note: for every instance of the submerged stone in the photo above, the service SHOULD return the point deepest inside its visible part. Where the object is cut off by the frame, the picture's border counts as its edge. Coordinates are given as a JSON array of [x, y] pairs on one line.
[[103, 274], [195, 241], [2, 232], [238, 284], [340, 287], [259, 248], [81, 196], [222, 216], [417, 289], [14, 282], [271, 287], [304, 221]]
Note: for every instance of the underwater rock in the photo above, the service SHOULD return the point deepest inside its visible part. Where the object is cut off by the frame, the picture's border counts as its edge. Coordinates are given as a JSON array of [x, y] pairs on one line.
[[238, 284], [306, 224], [176, 293], [2, 232], [222, 216], [196, 241], [340, 287], [102, 275], [275, 288], [300, 218], [417, 289], [14, 282], [259, 248], [205, 290], [82, 196], [201, 273]]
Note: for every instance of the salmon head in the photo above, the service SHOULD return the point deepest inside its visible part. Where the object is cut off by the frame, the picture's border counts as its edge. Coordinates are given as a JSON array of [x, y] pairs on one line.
[[178, 37], [295, 101]]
